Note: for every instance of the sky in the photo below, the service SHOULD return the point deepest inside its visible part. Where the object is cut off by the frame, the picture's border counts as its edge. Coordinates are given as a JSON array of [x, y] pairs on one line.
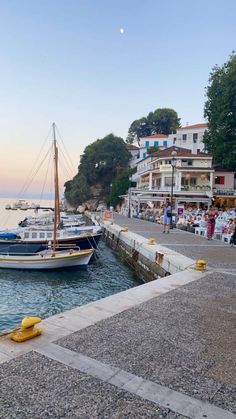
[[68, 61]]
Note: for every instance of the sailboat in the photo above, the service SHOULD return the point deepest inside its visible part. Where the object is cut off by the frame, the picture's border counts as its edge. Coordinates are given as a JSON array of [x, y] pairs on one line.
[[50, 258]]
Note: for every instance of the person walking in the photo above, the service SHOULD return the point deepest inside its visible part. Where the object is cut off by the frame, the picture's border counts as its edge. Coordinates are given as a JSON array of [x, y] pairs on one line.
[[166, 216], [211, 216]]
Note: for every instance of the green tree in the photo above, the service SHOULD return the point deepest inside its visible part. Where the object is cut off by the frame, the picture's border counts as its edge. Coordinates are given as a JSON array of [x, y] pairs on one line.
[[139, 128], [76, 190], [152, 149], [163, 121], [120, 185], [100, 163], [220, 110]]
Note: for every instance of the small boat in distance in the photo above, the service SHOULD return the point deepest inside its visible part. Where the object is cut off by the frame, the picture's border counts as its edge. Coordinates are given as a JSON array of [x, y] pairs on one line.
[[21, 204], [52, 257]]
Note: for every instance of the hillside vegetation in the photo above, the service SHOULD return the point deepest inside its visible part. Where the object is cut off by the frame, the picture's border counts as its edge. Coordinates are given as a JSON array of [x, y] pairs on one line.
[[102, 164]]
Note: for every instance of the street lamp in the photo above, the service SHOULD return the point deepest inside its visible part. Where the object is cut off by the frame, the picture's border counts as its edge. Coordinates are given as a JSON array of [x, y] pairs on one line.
[[129, 195], [129, 207], [173, 165]]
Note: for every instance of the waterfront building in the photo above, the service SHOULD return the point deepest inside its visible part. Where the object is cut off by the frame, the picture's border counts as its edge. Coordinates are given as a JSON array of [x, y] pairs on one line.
[[224, 188], [190, 136], [192, 177]]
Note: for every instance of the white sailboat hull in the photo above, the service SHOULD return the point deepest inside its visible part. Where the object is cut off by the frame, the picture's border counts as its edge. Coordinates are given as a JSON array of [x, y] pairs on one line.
[[47, 260]]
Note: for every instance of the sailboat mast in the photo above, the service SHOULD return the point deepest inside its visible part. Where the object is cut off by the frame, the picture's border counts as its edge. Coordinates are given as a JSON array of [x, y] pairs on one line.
[[56, 188]]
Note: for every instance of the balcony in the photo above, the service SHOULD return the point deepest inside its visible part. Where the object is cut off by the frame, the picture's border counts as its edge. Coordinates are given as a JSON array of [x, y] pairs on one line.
[[196, 188]]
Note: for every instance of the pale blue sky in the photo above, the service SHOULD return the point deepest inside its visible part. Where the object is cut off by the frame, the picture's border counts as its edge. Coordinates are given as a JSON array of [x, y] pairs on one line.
[[66, 61]]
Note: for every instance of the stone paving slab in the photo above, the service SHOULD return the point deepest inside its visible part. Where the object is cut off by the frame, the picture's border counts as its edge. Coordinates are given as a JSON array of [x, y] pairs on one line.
[[34, 386], [174, 340], [63, 324], [216, 252]]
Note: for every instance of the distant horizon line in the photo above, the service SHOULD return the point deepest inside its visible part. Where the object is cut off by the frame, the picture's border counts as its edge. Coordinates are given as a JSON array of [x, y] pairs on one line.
[[27, 196]]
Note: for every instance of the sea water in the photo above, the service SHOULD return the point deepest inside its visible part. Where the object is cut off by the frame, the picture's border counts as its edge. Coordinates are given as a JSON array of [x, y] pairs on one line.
[[24, 293]]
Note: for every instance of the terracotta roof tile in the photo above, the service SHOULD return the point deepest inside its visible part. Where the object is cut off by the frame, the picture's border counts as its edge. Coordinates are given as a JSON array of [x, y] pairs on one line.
[[202, 125], [180, 152], [156, 136]]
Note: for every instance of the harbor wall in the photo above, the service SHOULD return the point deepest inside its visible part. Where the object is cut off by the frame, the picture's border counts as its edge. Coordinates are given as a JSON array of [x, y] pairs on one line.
[[150, 261]]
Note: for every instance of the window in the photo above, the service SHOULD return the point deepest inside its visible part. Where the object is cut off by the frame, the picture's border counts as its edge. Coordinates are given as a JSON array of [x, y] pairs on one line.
[[26, 235], [168, 181], [156, 143], [184, 137], [195, 136], [165, 143], [41, 235], [147, 143], [193, 181], [174, 140], [220, 180], [188, 181], [187, 163], [34, 235], [144, 155]]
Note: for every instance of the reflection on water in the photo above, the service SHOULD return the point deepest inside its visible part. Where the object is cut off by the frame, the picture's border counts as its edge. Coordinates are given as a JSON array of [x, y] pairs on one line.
[[46, 293]]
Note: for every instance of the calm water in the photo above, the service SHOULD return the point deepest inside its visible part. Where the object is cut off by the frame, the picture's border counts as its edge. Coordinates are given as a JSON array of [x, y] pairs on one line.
[[46, 293]]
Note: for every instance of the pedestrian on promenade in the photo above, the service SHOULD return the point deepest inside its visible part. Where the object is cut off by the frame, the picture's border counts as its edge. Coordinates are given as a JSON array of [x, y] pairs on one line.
[[233, 237], [211, 216], [166, 216]]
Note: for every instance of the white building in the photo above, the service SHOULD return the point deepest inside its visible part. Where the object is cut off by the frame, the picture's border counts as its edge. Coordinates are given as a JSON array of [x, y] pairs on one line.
[[190, 137], [192, 176], [157, 140], [134, 151]]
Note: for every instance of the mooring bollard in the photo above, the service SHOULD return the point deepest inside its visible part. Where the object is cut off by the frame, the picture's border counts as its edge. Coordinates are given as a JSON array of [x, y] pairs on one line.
[[27, 330], [151, 241], [200, 265]]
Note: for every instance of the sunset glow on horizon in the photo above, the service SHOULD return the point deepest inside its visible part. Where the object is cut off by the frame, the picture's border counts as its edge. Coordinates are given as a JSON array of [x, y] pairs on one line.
[[94, 68]]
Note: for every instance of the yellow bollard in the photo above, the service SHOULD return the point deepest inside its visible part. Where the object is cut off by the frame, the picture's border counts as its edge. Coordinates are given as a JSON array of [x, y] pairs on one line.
[[27, 330], [200, 265], [124, 230], [151, 241]]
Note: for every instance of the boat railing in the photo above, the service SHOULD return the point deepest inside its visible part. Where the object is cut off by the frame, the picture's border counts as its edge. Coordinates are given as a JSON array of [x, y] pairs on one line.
[[48, 234]]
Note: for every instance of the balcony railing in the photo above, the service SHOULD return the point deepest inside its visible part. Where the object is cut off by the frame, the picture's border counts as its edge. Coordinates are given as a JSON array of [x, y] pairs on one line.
[[196, 188]]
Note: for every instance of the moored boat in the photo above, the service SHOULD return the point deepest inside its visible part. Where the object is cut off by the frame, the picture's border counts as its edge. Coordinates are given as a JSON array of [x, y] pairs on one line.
[[56, 247], [47, 260], [27, 241]]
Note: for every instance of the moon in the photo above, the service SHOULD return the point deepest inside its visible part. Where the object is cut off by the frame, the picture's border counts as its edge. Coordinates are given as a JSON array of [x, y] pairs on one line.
[[121, 30]]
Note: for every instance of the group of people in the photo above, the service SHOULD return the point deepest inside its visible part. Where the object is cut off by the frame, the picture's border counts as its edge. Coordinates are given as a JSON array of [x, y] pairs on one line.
[[230, 227], [222, 219], [213, 219]]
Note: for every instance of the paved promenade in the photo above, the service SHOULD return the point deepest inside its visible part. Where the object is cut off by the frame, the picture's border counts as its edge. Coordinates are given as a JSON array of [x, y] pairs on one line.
[[219, 255], [165, 349]]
